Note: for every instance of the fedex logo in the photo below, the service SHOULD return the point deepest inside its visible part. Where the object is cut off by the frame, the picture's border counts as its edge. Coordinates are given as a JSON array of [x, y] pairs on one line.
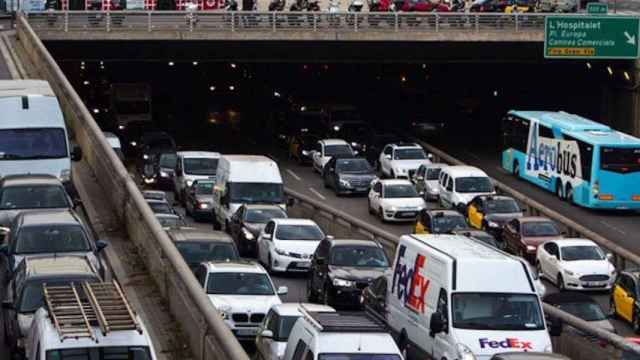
[[408, 283], [508, 343]]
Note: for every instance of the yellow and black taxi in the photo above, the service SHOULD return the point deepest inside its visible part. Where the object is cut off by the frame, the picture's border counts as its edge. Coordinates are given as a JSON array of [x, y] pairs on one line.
[[439, 222], [491, 212], [624, 298]]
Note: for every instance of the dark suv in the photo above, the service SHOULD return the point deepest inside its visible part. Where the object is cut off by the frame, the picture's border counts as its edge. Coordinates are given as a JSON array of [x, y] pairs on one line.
[[340, 269]]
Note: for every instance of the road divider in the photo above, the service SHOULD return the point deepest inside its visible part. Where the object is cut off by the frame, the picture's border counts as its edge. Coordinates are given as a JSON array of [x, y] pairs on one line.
[[208, 336]]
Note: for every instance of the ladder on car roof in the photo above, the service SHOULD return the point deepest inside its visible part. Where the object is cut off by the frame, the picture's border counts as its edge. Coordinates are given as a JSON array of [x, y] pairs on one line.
[[112, 310], [69, 315]]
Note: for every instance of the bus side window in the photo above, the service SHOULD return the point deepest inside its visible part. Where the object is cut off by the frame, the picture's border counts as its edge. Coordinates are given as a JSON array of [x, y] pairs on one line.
[[545, 132]]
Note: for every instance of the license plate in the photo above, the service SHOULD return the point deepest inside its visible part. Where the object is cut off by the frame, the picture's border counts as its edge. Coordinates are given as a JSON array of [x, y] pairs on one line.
[[304, 265], [246, 332], [594, 283], [408, 214], [362, 189]]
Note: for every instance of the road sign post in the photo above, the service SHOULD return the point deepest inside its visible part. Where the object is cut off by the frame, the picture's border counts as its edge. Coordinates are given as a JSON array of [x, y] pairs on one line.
[[597, 8], [591, 37]]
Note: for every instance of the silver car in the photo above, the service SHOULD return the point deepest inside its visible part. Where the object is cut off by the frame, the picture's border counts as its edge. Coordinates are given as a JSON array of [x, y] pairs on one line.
[[426, 180]]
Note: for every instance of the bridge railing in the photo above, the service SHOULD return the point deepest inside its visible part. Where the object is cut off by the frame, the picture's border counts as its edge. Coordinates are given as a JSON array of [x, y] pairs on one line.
[[221, 21]]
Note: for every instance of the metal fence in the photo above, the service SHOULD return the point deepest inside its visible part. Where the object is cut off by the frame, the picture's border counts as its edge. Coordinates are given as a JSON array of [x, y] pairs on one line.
[[208, 335], [211, 21]]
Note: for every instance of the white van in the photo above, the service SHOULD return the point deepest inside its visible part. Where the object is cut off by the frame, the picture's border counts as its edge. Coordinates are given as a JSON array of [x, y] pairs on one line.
[[458, 185], [68, 326], [334, 335], [115, 143], [245, 179], [452, 297], [33, 134], [192, 166]]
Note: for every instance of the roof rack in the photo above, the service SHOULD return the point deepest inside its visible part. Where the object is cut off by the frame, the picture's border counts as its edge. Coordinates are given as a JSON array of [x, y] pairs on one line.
[[68, 314], [342, 322], [111, 307]]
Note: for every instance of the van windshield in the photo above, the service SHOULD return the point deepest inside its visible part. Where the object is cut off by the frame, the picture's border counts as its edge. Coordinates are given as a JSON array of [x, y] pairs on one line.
[[255, 193], [200, 166], [358, 357], [496, 311], [101, 353], [32, 144]]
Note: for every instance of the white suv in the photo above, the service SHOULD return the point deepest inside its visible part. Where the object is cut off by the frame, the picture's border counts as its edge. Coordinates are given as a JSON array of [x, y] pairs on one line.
[[328, 148], [401, 160], [288, 244], [242, 292], [395, 200]]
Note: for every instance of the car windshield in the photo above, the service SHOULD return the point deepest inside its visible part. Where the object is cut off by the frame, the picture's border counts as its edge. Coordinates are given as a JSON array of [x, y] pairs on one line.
[[620, 159], [400, 191], [168, 161], [539, 228], [358, 357], [262, 216], [200, 166], [337, 150], [587, 311], [360, 256], [299, 232], [501, 206], [132, 107], [196, 252], [474, 184], [32, 297], [204, 188], [239, 284], [496, 311], [33, 143], [353, 166], [51, 239], [171, 222], [252, 193], [409, 154], [160, 207], [33, 197], [433, 174], [581, 252], [101, 353], [448, 223], [284, 327]]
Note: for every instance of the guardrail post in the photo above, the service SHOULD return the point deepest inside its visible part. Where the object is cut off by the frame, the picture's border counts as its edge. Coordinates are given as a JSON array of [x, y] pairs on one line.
[[233, 21], [274, 17], [356, 22], [149, 21], [477, 23], [190, 17], [437, 22], [315, 22], [108, 22], [66, 21], [397, 21], [517, 19]]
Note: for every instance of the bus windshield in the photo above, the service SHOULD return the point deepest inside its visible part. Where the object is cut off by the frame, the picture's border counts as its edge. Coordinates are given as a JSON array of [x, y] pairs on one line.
[[101, 353], [620, 159]]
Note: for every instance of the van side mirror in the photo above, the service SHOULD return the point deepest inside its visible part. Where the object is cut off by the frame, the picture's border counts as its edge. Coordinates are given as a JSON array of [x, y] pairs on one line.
[[76, 153], [436, 324], [291, 202], [610, 257], [267, 334], [388, 157], [77, 203], [283, 290], [555, 327], [101, 244]]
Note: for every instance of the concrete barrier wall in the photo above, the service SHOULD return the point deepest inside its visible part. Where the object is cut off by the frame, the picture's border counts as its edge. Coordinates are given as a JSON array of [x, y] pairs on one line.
[[208, 336]]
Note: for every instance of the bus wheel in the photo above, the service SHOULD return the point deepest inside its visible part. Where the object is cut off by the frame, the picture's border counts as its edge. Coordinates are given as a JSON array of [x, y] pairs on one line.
[[559, 190], [516, 169], [569, 193]]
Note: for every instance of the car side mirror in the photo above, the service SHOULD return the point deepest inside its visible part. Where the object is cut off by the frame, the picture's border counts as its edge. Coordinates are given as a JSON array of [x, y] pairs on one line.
[[555, 327], [101, 244], [283, 290], [77, 203], [266, 236], [7, 305], [291, 202], [430, 156], [610, 257], [330, 237], [267, 334], [388, 157], [436, 324], [76, 153]]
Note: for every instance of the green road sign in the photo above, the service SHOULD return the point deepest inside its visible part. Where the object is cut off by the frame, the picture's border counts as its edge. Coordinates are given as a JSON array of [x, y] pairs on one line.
[[591, 37], [597, 8]]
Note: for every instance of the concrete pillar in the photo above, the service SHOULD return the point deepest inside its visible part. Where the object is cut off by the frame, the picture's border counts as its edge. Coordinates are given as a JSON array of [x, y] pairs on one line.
[[621, 102]]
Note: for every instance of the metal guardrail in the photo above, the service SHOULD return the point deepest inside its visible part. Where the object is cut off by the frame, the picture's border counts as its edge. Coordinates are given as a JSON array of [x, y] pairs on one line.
[[221, 21], [208, 336]]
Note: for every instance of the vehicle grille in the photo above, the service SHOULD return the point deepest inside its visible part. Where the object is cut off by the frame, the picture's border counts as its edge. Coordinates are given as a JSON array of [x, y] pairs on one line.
[[358, 182], [240, 317], [594, 278], [257, 318]]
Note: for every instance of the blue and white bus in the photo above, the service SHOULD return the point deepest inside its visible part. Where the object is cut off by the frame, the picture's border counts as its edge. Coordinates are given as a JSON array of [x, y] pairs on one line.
[[583, 161]]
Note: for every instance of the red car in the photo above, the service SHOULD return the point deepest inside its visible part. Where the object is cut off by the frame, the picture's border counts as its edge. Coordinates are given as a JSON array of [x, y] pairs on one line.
[[423, 6]]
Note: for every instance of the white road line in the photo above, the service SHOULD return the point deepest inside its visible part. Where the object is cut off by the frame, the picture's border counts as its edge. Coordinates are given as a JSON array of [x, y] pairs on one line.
[[316, 193], [290, 172], [612, 227]]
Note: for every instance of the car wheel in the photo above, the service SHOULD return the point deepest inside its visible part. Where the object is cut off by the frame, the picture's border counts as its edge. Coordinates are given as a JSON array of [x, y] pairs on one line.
[[612, 308], [516, 169], [311, 294], [403, 345], [636, 322], [326, 296], [381, 215], [392, 175], [269, 266], [560, 283], [559, 190]]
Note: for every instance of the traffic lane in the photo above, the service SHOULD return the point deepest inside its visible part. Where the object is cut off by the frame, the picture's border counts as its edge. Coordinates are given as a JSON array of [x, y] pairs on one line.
[[617, 226]]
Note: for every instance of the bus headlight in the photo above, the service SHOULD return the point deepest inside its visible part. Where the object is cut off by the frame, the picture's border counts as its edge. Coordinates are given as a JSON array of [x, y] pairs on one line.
[[595, 189]]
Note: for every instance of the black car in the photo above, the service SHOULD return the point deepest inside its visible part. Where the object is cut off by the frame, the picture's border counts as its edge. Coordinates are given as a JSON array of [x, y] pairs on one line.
[[341, 269], [356, 133], [249, 221], [347, 175], [164, 168]]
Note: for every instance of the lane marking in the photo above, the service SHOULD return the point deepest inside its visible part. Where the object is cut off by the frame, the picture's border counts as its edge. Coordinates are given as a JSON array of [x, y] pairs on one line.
[[290, 172], [612, 227], [316, 193]]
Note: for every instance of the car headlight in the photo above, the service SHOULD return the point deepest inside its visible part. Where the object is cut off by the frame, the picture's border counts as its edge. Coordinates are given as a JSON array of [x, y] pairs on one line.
[[336, 128], [164, 174], [247, 234], [570, 273], [305, 153], [344, 183], [225, 312], [145, 156], [203, 205], [121, 127], [464, 353], [531, 248], [343, 283], [65, 175], [189, 183], [133, 143], [391, 208], [400, 171], [281, 252], [493, 224], [354, 144]]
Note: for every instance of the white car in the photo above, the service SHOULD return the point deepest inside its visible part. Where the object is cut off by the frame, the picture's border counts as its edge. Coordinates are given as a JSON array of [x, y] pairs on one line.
[[242, 292], [395, 200], [458, 185], [328, 148], [401, 160], [426, 180], [288, 244], [271, 341], [575, 264]]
